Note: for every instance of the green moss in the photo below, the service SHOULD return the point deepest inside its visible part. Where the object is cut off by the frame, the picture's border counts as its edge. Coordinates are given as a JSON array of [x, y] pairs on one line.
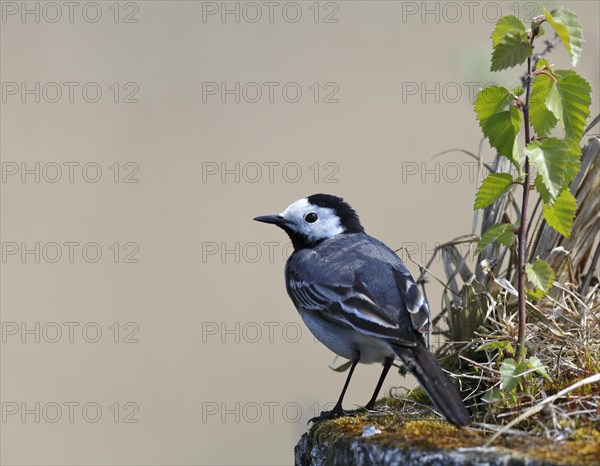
[[399, 432], [585, 433]]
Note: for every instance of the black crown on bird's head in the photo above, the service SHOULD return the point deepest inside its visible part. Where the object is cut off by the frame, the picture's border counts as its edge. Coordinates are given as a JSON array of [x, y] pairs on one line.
[[314, 219], [348, 216]]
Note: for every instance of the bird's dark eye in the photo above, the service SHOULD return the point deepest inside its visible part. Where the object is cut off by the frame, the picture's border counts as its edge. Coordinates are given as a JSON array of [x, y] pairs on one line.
[[311, 217]]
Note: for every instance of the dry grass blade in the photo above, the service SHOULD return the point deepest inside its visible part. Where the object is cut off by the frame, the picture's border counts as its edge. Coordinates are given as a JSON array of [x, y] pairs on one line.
[[537, 408]]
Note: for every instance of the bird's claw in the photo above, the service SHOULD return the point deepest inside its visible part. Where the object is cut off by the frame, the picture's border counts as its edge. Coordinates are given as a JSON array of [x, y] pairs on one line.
[[369, 407], [336, 412]]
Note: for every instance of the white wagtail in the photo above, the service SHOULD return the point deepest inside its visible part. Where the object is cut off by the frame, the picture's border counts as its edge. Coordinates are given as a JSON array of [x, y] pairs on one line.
[[358, 298]]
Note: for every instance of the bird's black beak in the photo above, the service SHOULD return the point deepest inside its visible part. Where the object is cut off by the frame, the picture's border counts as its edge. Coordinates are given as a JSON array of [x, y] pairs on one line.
[[274, 219]]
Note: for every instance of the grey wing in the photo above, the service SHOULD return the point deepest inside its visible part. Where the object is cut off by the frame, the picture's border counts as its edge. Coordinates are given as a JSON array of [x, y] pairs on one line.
[[349, 305], [378, 269], [416, 303], [408, 295]]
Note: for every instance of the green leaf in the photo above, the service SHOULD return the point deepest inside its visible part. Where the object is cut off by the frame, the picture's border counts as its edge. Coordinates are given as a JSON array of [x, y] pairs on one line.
[[535, 295], [560, 215], [498, 125], [501, 130], [517, 90], [568, 28], [556, 164], [541, 31], [511, 50], [542, 63], [570, 100], [505, 25], [535, 364], [497, 344], [507, 239], [570, 166], [492, 188], [544, 193], [491, 100], [573, 166], [540, 274], [502, 234], [541, 117], [511, 373], [494, 394]]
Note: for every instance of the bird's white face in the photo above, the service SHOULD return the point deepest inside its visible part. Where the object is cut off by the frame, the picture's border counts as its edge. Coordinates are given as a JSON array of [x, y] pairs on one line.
[[314, 222]]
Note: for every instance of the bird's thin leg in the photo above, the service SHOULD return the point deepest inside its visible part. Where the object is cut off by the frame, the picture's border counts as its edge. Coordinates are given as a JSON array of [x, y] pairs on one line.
[[386, 367], [338, 405], [337, 410]]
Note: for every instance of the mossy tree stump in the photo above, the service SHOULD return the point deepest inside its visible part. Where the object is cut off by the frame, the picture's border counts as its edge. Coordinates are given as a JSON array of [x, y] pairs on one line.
[[377, 439]]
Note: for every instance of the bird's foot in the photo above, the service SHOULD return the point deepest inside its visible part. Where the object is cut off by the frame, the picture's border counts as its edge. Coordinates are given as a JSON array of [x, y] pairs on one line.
[[370, 406], [336, 412]]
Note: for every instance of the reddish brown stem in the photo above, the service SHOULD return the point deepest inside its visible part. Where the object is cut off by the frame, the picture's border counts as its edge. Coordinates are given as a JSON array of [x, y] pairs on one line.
[[522, 234]]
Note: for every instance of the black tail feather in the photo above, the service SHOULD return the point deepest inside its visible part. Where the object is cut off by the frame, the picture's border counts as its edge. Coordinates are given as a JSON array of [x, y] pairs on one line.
[[423, 365]]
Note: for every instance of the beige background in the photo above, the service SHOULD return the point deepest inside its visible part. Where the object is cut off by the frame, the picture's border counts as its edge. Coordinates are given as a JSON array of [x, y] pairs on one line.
[[195, 314]]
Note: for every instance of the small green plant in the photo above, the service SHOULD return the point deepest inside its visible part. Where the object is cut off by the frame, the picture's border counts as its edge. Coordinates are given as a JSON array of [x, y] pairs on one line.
[[511, 371], [550, 96]]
